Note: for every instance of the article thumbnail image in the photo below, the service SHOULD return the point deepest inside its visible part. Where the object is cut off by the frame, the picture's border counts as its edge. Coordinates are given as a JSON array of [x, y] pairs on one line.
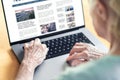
[[71, 25], [48, 27], [25, 14], [70, 17], [69, 8]]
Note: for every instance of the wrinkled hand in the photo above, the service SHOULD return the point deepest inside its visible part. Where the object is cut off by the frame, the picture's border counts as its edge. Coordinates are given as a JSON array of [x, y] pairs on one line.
[[82, 53], [34, 53]]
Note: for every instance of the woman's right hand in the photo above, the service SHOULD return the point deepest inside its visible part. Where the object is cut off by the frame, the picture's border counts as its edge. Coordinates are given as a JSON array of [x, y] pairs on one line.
[[82, 53], [34, 54]]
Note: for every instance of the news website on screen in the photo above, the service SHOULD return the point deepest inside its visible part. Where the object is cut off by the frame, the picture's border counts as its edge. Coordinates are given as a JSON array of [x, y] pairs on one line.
[[30, 18]]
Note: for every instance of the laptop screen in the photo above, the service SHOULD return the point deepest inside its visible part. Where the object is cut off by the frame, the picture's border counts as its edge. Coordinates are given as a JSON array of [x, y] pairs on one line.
[[30, 18]]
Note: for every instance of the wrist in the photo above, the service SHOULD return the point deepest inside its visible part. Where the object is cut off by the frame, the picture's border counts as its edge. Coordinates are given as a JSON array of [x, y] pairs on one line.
[[28, 65]]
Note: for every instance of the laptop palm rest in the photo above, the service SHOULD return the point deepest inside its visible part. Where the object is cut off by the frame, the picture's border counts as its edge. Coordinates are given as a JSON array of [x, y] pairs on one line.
[[18, 50], [51, 68]]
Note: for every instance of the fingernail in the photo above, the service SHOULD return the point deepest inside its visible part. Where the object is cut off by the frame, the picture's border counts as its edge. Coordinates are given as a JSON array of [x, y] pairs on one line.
[[26, 45], [37, 40]]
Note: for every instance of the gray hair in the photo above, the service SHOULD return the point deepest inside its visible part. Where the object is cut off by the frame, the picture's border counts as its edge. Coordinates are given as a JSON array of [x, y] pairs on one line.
[[115, 6]]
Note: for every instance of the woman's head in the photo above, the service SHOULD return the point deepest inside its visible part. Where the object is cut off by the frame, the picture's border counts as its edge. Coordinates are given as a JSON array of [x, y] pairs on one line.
[[106, 18]]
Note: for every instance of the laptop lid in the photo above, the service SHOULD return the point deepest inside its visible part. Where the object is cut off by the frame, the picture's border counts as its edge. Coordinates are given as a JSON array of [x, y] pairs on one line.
[[26, 19]]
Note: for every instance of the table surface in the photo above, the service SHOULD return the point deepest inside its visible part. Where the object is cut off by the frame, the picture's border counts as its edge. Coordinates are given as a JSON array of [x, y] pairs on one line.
[[8, 62]]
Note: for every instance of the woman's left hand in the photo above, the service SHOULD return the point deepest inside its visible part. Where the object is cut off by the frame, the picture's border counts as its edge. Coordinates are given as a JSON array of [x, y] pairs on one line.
[[82, 53]]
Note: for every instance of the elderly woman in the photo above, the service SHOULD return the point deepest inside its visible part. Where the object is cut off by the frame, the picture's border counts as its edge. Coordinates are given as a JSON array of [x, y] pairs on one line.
[[106, 20]]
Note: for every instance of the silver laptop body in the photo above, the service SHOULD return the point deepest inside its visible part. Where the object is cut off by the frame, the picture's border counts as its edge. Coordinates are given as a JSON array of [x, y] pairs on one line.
[[69, 14]]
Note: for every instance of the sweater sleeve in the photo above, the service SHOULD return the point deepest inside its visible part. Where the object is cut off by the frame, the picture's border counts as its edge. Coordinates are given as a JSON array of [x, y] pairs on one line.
[[78, 73]]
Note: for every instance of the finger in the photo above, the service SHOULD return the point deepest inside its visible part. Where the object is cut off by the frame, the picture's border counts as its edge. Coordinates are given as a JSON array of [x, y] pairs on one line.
[[44, 46], [26, 49], [26, 46], [37, 49], [77, 49], [94, 57], [83, 44], [41, 54], [37, 42], [82, 55], [77, 62], [38, 53], [31, 44], [77, 45], [80, 44], [41, 50], [45, 49], [97, 54]]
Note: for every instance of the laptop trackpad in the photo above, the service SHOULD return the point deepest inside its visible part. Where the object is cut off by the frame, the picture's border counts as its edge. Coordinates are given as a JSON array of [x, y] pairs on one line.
[[51, 68]]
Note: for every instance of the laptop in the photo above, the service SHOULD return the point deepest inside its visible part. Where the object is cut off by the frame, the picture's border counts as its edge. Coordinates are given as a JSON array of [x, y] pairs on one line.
[[58, 23]]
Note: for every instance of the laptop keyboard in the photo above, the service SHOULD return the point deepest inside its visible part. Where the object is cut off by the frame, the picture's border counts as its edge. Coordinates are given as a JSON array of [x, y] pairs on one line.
[[63, 45]]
